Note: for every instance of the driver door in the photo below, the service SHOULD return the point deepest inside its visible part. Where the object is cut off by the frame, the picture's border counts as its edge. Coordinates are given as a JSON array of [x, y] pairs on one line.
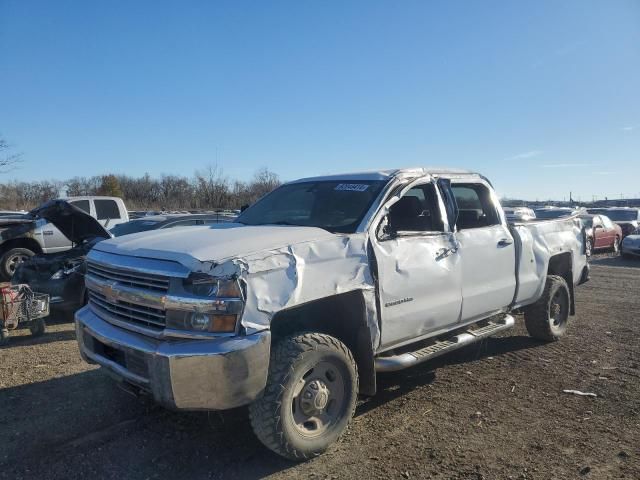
[[419, 269]]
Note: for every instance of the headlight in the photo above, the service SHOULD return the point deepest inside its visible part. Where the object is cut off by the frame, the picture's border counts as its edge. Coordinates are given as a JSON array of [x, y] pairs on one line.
[[210, 305], [66, 271]]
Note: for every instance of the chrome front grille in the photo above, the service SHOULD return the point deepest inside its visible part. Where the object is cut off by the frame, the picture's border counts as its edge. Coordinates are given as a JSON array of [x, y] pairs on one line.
[[128, 312], [129, 278]]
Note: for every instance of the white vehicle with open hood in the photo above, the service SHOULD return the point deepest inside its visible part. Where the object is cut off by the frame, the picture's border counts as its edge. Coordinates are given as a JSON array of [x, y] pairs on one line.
[[293, 308]]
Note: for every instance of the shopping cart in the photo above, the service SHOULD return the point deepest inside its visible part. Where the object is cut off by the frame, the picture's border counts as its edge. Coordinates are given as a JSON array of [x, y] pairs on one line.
[[20, 306]]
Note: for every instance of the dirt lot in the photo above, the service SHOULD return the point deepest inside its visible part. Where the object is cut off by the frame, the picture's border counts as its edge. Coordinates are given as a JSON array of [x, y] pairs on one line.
[[494, 410]]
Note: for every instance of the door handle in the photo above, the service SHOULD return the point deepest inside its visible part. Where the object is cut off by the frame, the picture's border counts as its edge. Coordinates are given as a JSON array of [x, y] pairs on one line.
[[445, 252], [505, 242]]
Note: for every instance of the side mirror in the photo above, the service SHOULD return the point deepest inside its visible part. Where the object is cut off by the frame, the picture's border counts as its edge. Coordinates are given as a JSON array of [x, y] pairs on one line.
[[243, 208]]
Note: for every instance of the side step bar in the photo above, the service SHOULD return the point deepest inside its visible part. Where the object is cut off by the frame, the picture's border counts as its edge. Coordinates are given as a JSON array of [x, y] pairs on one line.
[[440, 347]]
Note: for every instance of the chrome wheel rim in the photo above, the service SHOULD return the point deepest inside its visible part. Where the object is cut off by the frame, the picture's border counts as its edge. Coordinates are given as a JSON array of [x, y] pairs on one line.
[[15, 260]]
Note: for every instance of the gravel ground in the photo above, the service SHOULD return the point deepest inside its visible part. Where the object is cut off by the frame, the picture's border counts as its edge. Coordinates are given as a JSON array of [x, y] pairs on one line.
[[492, 410]]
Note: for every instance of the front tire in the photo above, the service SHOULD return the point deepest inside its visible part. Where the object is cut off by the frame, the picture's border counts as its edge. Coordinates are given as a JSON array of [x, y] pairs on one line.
[[588, 247], [547, 318], [309, 398], [11, 259], [616, 246]]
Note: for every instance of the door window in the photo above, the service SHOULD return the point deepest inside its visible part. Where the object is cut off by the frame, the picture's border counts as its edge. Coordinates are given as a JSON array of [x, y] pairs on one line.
[[417, 211], [82, 205], [476, 208], [106, 209]]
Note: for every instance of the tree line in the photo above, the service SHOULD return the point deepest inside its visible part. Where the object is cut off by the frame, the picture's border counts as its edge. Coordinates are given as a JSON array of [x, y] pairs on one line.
[[207, 189]]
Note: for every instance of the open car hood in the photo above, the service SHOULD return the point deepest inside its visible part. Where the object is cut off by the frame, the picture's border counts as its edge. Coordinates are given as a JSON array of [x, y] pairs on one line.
[[74, 223]]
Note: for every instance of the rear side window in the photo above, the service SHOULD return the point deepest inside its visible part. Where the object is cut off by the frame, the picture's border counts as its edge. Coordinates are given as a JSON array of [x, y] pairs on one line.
[[476, 209], [82, 205], [106, 209]]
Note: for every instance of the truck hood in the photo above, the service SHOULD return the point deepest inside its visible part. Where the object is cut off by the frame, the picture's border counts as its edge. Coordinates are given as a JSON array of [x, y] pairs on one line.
[[74, 223], [210, 243]]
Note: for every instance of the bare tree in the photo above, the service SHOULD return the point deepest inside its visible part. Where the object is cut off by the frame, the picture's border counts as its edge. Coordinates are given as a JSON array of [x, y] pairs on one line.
[[8, 161]]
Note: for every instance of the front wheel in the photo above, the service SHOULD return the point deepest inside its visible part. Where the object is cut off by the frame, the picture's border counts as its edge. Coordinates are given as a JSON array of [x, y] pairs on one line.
[[4, 336], [309, 398], [547, 318], [588, 247], [11, 259]]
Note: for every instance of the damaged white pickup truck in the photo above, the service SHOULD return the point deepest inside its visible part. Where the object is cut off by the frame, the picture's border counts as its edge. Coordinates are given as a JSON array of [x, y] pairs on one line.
[[325, 281]]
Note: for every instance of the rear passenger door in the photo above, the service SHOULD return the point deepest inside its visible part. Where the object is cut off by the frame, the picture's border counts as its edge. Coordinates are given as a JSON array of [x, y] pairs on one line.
[[487, 252]]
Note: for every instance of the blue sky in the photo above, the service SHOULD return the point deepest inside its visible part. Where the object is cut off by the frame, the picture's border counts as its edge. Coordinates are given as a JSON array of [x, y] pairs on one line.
[[541, 96]]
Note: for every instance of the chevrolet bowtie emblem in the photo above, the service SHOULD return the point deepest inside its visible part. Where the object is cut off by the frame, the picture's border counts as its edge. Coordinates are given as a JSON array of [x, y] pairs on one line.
[[109, 293]]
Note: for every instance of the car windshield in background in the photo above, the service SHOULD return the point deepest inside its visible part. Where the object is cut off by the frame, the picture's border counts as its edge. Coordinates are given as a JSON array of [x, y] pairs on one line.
[[337, 206], [133, 227], [622, 215], [552, 213], [587, 221]]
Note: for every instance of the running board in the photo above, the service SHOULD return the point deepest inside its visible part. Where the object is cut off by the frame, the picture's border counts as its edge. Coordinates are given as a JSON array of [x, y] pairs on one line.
[[440, 347]]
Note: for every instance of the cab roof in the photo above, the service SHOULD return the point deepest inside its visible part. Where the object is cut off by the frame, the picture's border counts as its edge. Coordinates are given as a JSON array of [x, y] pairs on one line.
[[386, 175]]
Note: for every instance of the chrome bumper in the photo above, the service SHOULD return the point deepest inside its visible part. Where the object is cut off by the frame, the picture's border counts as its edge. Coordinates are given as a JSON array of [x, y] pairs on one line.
[[214, 374]]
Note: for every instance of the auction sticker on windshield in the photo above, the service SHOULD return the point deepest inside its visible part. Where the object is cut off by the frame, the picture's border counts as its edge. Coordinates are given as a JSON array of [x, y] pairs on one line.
[[352, 187]]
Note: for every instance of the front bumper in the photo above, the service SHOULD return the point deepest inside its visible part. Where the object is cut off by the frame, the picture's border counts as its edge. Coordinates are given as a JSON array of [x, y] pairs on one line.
[[215, 374]]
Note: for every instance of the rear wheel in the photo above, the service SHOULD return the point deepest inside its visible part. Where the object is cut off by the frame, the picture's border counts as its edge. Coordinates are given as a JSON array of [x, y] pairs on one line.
[[11, 259], [310, 396], [4, 336], [588, 247], [547, 318]]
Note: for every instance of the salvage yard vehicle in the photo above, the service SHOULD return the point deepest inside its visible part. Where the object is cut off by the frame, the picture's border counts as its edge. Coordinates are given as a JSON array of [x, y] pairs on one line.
[[20, 306], [21, 237], [323, 282], [61, 274], [630, 247], [601, 233], [627, 218]]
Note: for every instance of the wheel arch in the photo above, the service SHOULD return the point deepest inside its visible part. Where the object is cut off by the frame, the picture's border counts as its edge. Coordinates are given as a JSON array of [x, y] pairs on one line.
[[24, 242], [343, 316], [562, 266]]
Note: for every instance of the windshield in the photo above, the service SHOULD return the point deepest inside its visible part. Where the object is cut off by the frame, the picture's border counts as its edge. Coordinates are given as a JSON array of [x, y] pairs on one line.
[[134, 226], [552, 213], [587, 221], [622, 215], [337, 206]]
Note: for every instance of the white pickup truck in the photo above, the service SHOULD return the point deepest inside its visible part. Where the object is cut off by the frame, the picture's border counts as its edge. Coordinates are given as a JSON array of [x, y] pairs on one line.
[[293, 308]]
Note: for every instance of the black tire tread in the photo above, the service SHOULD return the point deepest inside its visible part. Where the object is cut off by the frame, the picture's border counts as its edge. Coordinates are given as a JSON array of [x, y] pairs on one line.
[[264, 412], [536, 316]]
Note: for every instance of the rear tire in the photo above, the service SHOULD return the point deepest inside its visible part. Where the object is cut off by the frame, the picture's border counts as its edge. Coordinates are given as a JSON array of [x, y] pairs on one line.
[[11, 259], [309, 398], [547, 318], [4, 336]]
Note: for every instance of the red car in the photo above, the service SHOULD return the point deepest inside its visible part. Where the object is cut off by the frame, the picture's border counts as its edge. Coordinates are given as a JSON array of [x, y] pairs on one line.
[[602, 233]]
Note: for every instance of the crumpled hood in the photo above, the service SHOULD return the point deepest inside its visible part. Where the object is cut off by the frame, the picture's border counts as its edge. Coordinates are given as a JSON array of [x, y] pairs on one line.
[[210, 243]]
